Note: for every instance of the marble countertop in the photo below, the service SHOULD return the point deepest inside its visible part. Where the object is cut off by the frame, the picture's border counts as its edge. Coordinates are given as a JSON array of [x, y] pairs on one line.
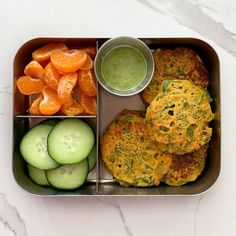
[[213, 213]]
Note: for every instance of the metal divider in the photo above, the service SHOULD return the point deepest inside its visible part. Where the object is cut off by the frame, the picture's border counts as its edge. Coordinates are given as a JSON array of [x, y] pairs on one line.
[[97, 136]]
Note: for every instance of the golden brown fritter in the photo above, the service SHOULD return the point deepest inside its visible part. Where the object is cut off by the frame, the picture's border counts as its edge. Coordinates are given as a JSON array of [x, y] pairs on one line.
[[186, 168], [178, 117], [180, 63], [129, 154]]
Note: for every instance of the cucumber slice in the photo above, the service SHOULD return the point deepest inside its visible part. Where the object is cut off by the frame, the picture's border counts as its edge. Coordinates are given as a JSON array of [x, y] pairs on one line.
[[52, 122], [38, 176], [33, 148], [70, 141], [92, 158], [68, 176]]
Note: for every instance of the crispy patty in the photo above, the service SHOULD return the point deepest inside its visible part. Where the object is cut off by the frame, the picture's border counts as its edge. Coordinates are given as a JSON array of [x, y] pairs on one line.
[[178, 117], [130, 155], [180, 63], [186, 168]]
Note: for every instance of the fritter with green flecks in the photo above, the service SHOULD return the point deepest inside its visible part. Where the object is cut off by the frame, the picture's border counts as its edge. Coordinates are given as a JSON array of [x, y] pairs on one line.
[[130, 155], [178, 118], [186, 168], [180, 63]]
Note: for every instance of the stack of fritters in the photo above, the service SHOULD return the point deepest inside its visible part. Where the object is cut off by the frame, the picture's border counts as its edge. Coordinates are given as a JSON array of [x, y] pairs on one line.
[[135, 160], [178, 120], [179, 63], [130, 155], [170, 144]]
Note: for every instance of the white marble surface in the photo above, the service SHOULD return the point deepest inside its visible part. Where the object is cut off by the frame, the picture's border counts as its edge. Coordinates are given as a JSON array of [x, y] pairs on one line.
[[213, 213]]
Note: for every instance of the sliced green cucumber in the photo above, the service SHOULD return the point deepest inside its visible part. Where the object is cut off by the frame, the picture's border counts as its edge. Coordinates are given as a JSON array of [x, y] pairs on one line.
[[52, 122], [38, 176], [33, 148], [70, 141], [68, 176], [92, 158]]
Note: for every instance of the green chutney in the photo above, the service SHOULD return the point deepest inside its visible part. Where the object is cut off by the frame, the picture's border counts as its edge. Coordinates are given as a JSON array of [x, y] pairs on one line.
[[124, 68]]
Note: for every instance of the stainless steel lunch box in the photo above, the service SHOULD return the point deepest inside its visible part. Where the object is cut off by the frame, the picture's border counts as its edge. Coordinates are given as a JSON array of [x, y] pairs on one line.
[[99, 181]]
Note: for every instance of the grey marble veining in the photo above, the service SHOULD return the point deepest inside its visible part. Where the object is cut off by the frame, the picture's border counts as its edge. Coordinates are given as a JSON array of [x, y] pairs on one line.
[[112, 202], [10, 217], [121, 214], [190, 14], [196, 215]]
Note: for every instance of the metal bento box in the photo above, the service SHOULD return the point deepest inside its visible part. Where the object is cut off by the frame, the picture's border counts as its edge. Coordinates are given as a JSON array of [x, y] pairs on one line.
[[99, 181]]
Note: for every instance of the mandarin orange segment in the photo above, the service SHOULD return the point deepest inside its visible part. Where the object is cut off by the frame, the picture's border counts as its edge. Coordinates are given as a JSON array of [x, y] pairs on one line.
[[90, 50], [65, 89], [50, 103], [34, 69], [34, 108], [75, 109], [45, 51], [88, 65], [69, 61], [51, 76], [89, 104], [87, 82], [27, 85]]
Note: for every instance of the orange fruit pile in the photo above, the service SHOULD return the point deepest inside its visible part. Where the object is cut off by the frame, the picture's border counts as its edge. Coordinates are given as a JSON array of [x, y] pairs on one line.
[[63, 79]]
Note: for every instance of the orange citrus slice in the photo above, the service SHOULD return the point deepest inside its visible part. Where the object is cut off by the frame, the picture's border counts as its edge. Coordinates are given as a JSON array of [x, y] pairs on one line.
[[50, 103], [69, 61], [51, 76], [45, 51], [87, 82], [34, 108], [89, 104], [34, 69], [65, 89], [75, 109], [88, 65], [91, 50], [27, 85]]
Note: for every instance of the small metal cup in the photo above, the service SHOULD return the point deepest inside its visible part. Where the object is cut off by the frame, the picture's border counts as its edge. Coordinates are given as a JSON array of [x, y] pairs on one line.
[[124, 41]]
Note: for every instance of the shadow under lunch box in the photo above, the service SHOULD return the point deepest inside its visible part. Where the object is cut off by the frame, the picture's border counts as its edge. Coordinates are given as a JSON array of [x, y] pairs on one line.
[[99, 181]]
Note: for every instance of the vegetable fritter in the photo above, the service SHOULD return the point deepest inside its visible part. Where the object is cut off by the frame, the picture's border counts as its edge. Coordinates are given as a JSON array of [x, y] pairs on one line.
[[186, 168], [179, 116], [130, 155], [180, 63]]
